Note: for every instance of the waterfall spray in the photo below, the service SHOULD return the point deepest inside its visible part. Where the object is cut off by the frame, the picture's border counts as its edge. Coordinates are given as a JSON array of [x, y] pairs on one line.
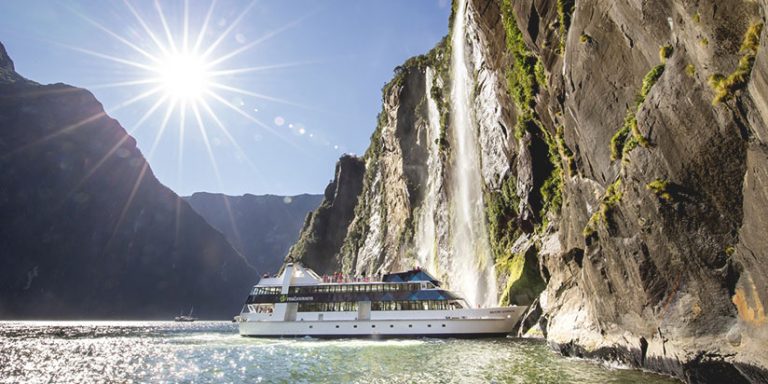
[[473, 270]]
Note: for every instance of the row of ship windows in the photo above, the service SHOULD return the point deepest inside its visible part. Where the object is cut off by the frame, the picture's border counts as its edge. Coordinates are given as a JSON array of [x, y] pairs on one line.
[[352, 288], [342, 288], [343, 306], [391, 326]]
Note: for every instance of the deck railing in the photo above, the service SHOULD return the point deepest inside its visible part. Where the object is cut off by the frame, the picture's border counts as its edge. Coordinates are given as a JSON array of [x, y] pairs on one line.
[[343, 278]]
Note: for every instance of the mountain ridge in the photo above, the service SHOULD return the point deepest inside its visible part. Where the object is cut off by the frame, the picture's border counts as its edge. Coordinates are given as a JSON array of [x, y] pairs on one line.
[[86, 230], [260, 227]]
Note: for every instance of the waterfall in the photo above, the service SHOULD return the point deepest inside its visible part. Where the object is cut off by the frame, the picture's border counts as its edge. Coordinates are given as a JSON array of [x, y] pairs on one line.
[[426, 235], [473, 268]]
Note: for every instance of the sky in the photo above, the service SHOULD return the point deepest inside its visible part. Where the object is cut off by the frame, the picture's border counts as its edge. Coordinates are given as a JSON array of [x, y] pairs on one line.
[[264, 101]]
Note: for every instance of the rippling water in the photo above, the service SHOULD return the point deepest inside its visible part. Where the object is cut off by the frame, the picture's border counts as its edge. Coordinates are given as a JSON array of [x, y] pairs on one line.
[[213, 352]]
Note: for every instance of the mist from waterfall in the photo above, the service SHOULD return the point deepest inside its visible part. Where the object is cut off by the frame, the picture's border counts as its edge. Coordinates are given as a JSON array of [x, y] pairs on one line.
[[426, 235], [473, 269]]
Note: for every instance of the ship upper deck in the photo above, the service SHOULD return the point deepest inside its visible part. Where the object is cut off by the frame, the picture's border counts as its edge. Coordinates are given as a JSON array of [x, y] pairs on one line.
[[301, 276]]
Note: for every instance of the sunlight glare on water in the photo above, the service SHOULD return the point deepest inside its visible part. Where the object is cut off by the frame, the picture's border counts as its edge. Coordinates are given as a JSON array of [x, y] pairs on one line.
[[213, 352]]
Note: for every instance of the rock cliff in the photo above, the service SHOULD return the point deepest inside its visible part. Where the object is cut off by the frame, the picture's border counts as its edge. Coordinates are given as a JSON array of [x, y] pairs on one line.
[[86, 230], [325, 228], [261, 228], [622, 163]]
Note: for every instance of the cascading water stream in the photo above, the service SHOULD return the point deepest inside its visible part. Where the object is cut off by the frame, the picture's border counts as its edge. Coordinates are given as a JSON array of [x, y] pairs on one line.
[[426, 236], [474, 274]]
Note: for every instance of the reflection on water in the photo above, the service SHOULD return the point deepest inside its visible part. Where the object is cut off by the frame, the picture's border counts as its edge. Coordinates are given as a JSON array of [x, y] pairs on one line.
[[213, 352]]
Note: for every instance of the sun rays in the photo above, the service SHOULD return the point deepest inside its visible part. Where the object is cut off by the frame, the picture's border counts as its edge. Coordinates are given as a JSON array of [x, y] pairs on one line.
[[193, 83], [183, 66]]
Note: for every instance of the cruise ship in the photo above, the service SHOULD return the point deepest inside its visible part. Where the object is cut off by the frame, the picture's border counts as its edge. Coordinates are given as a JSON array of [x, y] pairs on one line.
[[300, 303]]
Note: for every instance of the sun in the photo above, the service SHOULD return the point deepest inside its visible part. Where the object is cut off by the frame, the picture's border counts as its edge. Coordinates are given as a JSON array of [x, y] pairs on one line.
[[186, 69], [184, 76]]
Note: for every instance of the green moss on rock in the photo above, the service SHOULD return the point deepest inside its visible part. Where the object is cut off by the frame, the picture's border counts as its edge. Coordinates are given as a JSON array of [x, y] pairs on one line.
[[524, 283], [665, 51], [611, 198], [650, 80], [660, 188], [726, 86], [521, 76], [628, 137], [501, 212], [690, 70], [564, 12]]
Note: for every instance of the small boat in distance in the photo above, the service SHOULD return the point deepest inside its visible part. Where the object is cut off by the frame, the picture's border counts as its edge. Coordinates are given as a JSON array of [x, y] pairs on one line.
[[406, 304], [185, 318]]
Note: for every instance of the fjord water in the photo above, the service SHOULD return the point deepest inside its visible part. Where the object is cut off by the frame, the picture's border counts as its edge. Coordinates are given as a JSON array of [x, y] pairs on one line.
[[213, 352]]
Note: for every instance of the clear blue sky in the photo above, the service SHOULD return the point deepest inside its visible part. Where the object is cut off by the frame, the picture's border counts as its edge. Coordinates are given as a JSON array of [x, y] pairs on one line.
[[324, 103]]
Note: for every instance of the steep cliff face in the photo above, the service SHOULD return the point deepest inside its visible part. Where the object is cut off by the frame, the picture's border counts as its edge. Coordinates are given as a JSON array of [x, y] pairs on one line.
[[86, 230], [622, 150], [325, 228], [654, 218], [261, 228]]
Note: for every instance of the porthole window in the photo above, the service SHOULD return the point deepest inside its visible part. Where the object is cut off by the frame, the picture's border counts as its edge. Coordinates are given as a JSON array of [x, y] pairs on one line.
[[391, 326], [337, 326], [373, 326], [443, 325], [354, 326], [410, 325], [310, 326], [429, 325]]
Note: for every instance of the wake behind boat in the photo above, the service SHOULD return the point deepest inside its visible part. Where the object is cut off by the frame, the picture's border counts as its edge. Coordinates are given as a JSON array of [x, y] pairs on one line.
[[405, 304]]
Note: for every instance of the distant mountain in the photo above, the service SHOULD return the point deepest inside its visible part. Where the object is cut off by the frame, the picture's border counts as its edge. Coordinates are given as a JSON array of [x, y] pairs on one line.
[[86, 230], [262, 228]]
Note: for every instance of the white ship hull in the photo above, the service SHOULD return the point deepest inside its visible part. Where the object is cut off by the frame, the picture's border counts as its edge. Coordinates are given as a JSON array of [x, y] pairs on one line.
[[300, 303], [461, 323]]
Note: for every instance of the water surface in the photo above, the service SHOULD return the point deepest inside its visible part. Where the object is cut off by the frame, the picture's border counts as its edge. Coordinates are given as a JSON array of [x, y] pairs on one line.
[[213, 352]]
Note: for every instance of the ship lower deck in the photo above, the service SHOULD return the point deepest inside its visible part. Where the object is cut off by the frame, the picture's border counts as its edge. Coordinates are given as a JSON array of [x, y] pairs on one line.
[[435, 327]]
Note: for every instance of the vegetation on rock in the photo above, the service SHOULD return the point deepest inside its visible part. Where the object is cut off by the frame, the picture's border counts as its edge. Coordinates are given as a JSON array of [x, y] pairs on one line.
[[726, 86], [564, 13], [665, 52], [690, 70], [524, 282], [621, 142], [525, 78], [660, 188], [611, 198], [521, 76], [501, 211]]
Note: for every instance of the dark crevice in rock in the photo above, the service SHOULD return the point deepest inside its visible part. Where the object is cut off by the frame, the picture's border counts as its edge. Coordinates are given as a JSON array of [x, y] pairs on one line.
[[533, 23], [545, 273], [542, 167], [530, 319], [576, 254], [713, 370], [732, 275]]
